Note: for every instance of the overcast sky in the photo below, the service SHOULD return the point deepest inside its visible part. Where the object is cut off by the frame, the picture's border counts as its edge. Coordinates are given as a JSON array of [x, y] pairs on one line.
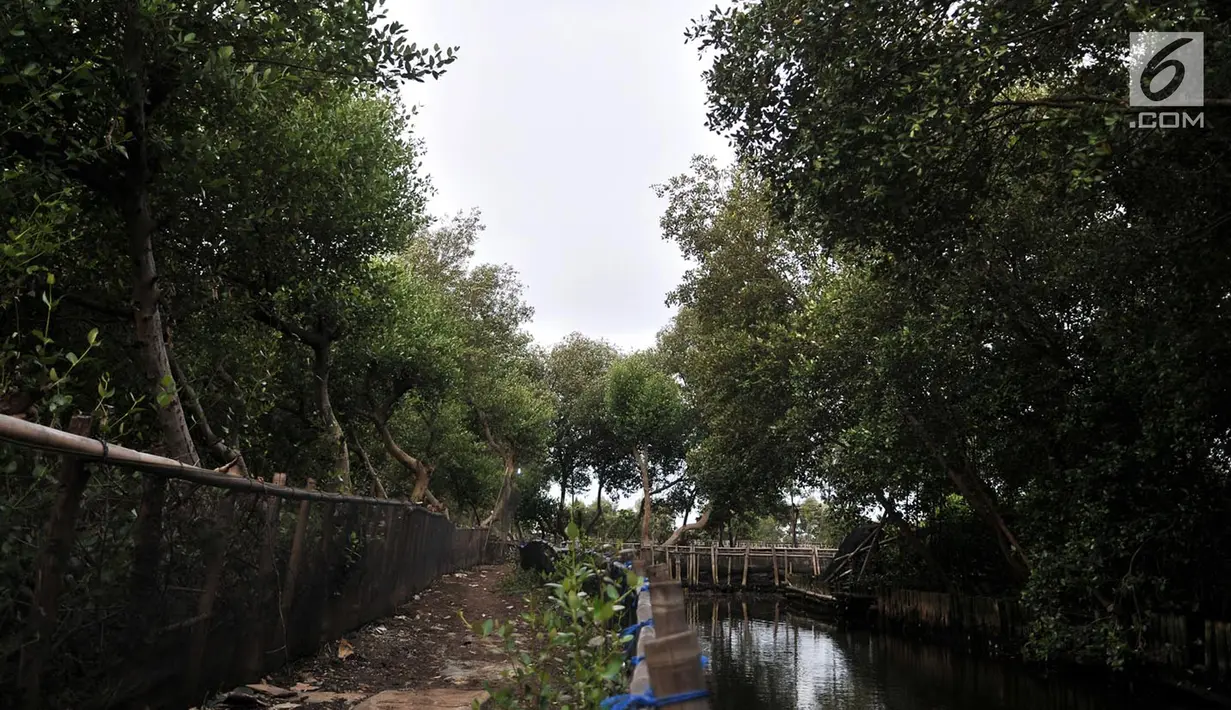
[[555, 121]]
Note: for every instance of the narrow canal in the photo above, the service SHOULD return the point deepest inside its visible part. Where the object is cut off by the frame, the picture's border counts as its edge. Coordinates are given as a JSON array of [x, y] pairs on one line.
[[764, 658]]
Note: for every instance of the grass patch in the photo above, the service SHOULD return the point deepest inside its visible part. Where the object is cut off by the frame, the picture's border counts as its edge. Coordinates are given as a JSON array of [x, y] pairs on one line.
[[522, 581]]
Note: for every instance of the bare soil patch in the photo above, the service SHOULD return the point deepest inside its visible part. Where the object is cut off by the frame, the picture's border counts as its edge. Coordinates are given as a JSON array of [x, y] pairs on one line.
[[425, 644]]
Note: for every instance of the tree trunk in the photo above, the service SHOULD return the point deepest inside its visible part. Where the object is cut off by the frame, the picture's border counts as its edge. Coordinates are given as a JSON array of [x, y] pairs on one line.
[[976, 493], [506, 491], [215, 444], [378, 488], [598, 507], [422, 471], [561, 516], [139, 226], [644, 465], [701, 522], [794, 522], [333, 430]]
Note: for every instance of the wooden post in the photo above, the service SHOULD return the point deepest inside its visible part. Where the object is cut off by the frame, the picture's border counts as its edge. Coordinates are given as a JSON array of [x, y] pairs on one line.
[[728, 570], [296, 560], [253, 658], [325, 628], [747, 550], [773, 553], [215, 563], [61, 533], [1221, 642], [1210, 653], [816, 563], [714, 565], [667, 551]]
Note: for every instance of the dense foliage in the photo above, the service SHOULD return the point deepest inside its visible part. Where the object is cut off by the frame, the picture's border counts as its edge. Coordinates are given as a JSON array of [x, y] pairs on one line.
[[948, 283], [216, 243]]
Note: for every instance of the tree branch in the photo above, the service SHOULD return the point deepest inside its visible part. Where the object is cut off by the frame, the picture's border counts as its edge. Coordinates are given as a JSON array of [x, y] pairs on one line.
[[698, 524], [214, 443]]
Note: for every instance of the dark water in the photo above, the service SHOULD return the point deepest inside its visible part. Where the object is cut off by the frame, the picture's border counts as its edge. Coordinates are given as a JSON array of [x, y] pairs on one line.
[[763, 657]]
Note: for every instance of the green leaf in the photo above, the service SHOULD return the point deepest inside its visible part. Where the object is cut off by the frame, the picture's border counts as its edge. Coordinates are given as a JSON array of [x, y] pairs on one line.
[[487, 627], [92, 336], [226, 51]]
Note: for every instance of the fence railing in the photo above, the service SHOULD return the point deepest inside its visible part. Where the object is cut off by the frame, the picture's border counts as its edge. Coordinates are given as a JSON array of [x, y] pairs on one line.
[[117, 588]]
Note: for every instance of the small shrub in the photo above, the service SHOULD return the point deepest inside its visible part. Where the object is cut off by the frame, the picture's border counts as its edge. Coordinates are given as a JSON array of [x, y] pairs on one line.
[[570, 656]]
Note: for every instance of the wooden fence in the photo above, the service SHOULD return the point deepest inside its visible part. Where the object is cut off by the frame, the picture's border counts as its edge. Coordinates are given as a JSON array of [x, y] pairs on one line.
[[148, 594], [1181, 645]]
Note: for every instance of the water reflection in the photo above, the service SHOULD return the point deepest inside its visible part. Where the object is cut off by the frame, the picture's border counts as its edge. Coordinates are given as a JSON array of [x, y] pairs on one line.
[[764, 657]]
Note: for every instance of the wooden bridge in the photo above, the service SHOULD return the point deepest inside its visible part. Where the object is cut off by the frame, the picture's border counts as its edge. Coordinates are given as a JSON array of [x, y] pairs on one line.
[[740, 567]]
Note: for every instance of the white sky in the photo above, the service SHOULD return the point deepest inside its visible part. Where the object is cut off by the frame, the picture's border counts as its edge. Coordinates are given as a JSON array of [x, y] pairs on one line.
[[555, 121]]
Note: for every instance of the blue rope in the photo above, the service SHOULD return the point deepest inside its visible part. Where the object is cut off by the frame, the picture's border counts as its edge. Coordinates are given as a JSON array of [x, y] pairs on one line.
[[636, 627], [647, 700], [645, 587], [635, 660]]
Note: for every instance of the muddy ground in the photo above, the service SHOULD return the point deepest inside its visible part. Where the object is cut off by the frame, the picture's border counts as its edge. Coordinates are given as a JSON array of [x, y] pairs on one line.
[[425, 645]]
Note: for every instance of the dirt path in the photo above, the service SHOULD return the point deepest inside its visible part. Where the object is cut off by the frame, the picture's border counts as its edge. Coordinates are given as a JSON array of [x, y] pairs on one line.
[[390, 663]]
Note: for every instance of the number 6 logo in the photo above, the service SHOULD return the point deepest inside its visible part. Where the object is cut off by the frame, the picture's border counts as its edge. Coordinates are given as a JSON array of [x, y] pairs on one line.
[[1156, 65], [1152, 54]]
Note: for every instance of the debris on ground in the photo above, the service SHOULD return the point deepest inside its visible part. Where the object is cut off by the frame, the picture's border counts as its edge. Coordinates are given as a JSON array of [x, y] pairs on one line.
[[424, 651]]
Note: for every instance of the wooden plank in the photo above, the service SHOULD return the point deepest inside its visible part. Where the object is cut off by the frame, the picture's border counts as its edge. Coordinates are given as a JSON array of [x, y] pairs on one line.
[[1210, 653], [58, 540], [1223, 645]]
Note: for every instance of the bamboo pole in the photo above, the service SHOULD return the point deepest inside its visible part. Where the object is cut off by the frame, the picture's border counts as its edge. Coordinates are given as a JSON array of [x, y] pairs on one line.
[[44, 438]]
